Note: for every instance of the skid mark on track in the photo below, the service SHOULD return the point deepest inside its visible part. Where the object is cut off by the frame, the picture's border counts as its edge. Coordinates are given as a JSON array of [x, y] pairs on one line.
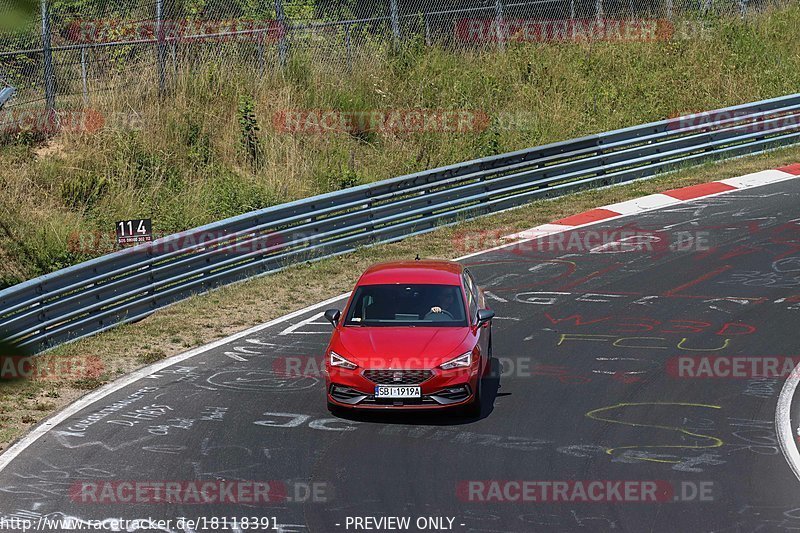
[[714, 441]]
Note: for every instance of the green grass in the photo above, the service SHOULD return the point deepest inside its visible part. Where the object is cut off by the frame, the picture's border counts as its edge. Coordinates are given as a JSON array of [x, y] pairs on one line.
[[209, 149]]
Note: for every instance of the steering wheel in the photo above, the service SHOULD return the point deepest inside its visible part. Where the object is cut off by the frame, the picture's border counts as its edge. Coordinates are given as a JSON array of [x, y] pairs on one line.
[[434, 316]]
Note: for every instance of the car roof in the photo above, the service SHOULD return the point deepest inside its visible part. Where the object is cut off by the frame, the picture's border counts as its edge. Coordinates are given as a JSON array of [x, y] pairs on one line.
[[427, 272]]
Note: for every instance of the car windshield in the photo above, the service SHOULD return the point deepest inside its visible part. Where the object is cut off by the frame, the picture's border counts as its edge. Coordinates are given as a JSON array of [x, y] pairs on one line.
[[407, 305]]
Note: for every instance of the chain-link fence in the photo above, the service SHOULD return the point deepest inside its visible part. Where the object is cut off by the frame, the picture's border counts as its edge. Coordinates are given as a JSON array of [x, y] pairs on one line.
[[77, 48]]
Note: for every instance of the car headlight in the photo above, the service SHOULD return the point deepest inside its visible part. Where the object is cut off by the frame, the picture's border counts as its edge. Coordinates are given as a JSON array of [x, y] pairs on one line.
[[465, 359], [338, 360]]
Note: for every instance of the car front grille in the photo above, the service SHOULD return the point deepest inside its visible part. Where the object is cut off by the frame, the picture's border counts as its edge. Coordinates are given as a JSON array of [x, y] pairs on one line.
[[398, 377], [404, 402]]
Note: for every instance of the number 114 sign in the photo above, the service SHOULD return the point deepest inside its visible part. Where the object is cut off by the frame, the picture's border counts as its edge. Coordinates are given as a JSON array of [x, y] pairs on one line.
[[134, 231]]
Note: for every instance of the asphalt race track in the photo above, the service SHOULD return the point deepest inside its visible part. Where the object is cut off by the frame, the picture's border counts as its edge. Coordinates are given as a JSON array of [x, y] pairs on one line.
[[589, 341]]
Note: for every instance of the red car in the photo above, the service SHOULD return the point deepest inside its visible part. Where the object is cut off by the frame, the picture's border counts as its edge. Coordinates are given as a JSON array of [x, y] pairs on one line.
[[414, 335]]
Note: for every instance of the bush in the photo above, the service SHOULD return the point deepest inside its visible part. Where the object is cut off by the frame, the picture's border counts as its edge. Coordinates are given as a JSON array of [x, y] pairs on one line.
[[249, 130], [228, 194]]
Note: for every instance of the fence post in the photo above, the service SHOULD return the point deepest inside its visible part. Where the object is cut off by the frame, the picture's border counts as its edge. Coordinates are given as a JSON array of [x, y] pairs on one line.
[[428, 36], [669, 9], [283, 28], [173, 52], [49, 70], [499, 24], [83, 77], [394, 15], [162, 49], [262, 61], [348, 47]]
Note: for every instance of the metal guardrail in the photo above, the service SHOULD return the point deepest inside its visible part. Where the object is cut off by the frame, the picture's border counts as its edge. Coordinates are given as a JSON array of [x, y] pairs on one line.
[[128, 285]]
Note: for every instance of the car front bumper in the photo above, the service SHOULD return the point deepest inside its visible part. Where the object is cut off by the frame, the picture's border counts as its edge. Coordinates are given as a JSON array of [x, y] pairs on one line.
[[443, 389]]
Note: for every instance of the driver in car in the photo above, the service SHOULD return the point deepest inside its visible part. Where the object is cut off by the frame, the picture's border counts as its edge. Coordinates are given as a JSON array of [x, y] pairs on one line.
[[446, 299]]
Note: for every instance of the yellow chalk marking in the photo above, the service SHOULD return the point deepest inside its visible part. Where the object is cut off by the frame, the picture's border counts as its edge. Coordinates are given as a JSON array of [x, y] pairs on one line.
[[715, 442]]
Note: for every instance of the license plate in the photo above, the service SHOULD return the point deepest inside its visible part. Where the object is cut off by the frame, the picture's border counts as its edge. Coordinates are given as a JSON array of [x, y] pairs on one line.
[[382, 391]]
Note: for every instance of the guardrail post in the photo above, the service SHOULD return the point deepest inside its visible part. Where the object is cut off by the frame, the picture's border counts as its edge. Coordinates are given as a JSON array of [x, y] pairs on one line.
[[47, 55]]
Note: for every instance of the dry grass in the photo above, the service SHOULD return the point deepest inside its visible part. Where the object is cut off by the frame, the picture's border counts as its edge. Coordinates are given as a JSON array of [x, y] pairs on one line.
[[211, 316]]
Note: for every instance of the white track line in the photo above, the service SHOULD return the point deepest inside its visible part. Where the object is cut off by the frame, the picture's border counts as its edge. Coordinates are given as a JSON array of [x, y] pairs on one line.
[[783, 422]]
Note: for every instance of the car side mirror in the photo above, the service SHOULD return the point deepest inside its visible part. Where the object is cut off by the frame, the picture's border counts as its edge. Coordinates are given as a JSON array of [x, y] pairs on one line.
[[332, 315], [484, 316]]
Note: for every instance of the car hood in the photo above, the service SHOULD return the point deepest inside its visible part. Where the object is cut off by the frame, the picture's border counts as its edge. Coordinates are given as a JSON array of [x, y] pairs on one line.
[[402, 347]]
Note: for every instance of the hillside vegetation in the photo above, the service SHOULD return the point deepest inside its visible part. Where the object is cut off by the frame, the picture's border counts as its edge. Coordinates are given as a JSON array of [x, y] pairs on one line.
[[210, 148]]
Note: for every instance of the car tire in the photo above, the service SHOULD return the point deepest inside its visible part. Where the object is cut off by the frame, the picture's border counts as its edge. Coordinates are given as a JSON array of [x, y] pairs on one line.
[[489, 357], [474, 409]]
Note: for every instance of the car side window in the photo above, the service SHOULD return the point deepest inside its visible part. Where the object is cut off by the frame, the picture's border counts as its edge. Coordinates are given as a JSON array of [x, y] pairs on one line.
[[475, 290], [471, 300]]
